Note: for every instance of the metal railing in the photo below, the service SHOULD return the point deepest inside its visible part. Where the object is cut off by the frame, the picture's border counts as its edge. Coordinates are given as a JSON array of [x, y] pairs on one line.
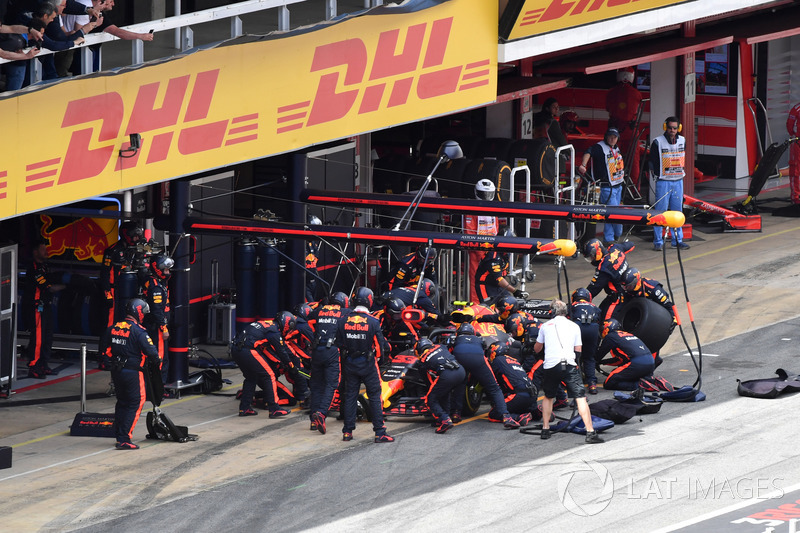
[[184, 35]]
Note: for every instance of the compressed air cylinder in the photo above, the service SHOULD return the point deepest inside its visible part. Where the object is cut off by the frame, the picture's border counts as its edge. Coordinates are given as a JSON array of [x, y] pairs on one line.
[[245, 278], [268, 281]]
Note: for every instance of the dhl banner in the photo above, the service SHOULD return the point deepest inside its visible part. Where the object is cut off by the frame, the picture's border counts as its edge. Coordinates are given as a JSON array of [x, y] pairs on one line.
[[246, 101], [525, 18]]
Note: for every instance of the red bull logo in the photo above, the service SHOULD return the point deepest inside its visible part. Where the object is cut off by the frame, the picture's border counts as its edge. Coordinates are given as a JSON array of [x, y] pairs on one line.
[[87, 237], [355, 319]]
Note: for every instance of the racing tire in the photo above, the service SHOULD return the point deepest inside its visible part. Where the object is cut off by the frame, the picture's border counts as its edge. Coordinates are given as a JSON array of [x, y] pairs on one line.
[[473, 398], [647, 320], [363, 410]]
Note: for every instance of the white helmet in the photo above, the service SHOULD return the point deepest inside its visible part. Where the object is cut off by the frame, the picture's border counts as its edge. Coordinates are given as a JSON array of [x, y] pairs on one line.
[[485, 190], [314, 220], [625, 74]]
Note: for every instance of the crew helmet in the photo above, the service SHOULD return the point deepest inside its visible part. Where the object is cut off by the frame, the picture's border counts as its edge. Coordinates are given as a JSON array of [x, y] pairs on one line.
[[507, 304], [485, 190], [339, 298], [631, 280], [394, 308], [363, 296], [302, 310], [285, 321], [594, 251], [137, 308], [423, 345], [465, 329], [495, 349], [131, 232], [428, 288], [582, 295], [610, 324], [423, 251], [160, 265], [515, 325]]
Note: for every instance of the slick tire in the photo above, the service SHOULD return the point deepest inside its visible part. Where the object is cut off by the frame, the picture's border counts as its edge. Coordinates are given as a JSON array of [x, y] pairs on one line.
[[647, 320]]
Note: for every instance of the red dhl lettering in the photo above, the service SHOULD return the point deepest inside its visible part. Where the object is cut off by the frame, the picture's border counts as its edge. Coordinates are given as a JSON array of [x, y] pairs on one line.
[[390, 80], [557, 9], [90, 151]]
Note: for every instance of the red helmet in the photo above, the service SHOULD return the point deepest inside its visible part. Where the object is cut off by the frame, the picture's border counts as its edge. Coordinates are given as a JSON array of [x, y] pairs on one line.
[[626, 74], [569, 116]]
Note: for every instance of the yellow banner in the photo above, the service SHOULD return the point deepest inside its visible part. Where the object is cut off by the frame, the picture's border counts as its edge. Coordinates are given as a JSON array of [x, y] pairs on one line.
[[543, 16], [241, 102]]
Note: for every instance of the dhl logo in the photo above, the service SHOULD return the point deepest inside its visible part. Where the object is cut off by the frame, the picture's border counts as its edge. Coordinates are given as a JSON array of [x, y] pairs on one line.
[[174, 112], [418, 66], [86, 237], [600, 9]]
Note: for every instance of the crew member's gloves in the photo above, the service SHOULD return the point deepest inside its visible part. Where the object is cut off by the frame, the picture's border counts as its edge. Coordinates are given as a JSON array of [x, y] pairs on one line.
[[519, 293], [443, 319]]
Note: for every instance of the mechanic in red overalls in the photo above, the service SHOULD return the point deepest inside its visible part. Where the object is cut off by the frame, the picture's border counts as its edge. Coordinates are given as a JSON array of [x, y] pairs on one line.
[[480, 225], [793, 127], [622, 104]]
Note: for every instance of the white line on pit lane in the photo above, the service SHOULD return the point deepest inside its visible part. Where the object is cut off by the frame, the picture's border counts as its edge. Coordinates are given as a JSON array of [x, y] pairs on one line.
[[687, 354]]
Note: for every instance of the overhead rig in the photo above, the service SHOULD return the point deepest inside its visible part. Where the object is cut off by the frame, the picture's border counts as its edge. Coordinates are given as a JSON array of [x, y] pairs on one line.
[[565, 212], [261, 228]]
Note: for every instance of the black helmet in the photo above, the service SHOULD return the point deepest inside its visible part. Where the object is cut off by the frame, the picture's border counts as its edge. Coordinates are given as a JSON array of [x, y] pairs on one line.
[[131, 232], [428, 288], [339, 298], [465, 329], [394, 308], [631, 279], [507, 303], [160, 265], [285, 321], [423, 345], [302, 310], [363, 296], [611, 324], [582, 295], [422, 251], [515, 325], [495, 349], [594, 251], [137, 308]]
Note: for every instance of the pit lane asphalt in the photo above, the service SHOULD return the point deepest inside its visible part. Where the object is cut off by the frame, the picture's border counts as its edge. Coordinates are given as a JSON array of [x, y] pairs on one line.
[[664, 469]]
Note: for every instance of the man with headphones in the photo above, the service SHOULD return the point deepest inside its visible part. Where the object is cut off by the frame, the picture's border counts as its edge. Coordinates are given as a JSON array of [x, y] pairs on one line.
[[666, 165]]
